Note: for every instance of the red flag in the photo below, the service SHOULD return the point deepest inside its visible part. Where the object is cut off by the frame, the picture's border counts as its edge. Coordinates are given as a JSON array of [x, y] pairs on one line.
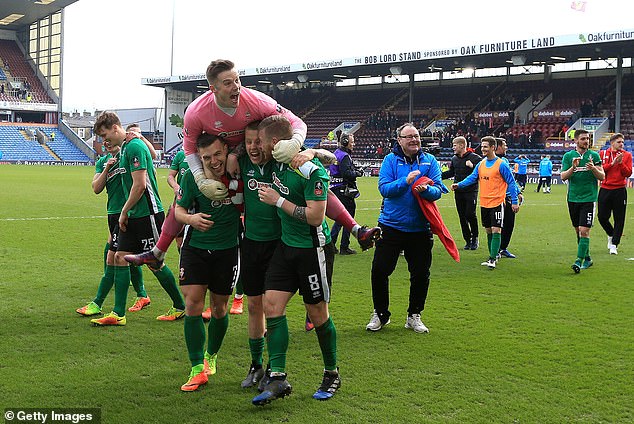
[[431, 212]]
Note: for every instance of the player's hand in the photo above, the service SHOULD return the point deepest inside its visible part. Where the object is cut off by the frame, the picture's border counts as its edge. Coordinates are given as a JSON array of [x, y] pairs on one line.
[[411, 177], [233, 167], [177, 190], [469, 164], [420, 188], [110, 163], [575, 162], [200, 222], [516, 208], [285, 150], [123, 221], [132, 134], [454, 186], [301, 158], [590, 166], [211, 189], [618, 159], [268, 195]]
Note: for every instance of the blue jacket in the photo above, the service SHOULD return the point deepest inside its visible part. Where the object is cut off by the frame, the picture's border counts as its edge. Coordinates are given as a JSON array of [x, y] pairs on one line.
[[545, 168], [522, 165], [400, 209]]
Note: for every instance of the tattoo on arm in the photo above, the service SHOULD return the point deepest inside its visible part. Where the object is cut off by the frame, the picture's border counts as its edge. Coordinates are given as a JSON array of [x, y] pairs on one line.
[[325, 159], [300, 213]]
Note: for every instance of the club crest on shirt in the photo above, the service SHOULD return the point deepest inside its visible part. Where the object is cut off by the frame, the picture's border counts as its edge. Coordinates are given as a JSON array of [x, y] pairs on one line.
[[135, 162], [319, 188]]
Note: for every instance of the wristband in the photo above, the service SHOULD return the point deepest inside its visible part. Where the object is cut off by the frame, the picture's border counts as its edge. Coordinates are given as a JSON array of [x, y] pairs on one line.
[[279, 202]]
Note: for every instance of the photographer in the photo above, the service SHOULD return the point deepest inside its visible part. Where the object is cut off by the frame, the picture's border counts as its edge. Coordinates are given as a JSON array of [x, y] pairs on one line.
[[343, 182]]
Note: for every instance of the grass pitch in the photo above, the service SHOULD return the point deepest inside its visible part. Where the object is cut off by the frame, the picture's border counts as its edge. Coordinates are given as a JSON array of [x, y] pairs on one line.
[[530, 342]]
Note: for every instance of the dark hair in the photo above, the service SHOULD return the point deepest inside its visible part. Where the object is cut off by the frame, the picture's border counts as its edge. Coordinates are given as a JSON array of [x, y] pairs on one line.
[[580, 132], [216, 67], [132, 125], [206, 139], [106, 119], [253, 125], [491, 141]]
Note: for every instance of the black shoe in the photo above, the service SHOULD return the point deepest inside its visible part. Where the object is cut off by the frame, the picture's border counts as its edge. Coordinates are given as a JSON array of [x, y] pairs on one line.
[[468, 245], [347, 251], [474, 244], [329, 385], [265, 379], [253, 377], [278, 387]]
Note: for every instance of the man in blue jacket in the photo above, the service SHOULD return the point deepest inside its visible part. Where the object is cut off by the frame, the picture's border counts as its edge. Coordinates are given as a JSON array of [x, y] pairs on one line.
[[545, 174], [404, 226]]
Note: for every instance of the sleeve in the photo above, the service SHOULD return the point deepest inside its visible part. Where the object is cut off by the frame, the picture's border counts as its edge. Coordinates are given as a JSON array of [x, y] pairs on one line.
[[188, 191], [566, 163], [176, 162], [317, 187], [472, 178], [192, 128], [390, 185], [434, 192], [346, 167], [138, 155], [99, 166], [626, 166], [268, 107]]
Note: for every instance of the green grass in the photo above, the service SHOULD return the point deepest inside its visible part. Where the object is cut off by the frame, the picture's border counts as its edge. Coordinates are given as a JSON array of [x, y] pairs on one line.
[[530, 342]]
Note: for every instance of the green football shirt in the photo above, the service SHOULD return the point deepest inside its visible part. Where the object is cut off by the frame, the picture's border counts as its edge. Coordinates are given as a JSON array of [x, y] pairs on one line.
[[261, 221], [114, 188], [136, 156], [226, 217], [180, 165], [298, 190], [583, 186]]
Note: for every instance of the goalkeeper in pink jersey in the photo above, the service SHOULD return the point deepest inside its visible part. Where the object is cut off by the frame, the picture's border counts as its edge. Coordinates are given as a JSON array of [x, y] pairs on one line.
[[225, 110]]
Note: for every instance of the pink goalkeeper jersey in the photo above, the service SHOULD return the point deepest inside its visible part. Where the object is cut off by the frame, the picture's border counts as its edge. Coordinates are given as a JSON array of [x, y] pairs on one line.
[[203, 114]]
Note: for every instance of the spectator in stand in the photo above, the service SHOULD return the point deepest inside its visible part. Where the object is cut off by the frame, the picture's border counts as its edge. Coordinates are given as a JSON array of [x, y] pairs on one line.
[[611, 122], [617, 164]]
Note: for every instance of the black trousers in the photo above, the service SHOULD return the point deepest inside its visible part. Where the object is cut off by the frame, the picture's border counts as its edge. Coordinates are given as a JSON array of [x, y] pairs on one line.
[[544, 180], [508, 225], [612, 202], [466, 206], [417, 249]]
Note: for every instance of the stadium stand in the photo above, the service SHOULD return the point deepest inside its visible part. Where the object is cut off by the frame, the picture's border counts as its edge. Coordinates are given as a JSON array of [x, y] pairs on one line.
[[20, 142], [18, 70], [16, 144]]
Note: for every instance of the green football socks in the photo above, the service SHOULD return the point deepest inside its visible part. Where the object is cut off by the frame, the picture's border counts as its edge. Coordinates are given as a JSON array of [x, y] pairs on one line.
[[277, 342], [327, 336], [217, 330], [195, 339]]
